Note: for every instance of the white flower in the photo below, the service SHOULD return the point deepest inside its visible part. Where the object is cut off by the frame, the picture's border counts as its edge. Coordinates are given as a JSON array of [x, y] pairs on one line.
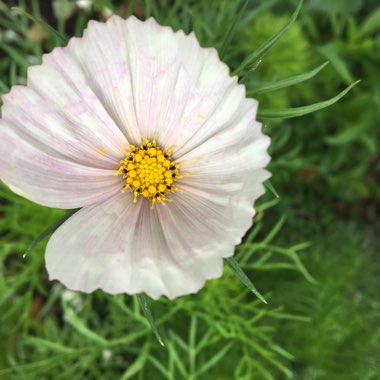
[[148, 134]]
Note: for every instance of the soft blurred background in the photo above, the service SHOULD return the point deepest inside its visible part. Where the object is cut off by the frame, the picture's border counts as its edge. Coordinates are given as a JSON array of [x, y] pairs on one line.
[[313, 250]]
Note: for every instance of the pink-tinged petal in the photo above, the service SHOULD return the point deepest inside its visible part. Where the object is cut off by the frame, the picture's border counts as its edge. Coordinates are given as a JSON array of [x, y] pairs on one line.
[[156, 82], [136, 69], [94, 248], [230, 159], [49, 179], [122, 247], [60, 112]]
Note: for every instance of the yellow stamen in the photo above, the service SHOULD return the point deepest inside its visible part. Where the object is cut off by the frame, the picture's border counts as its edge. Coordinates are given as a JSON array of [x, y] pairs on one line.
[[150, 172]]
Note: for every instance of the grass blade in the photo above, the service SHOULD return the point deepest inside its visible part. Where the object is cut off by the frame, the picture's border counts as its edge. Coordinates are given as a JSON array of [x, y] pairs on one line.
[[372, 24], [230, 33], [43, 24], [214, 360], [289, 81], [239, 273], [17, 58], [149, 316], [331, 53], [250, 70], [287, 113], [259, 53], [3, 87], [80, 326], [49, 231], [43, 343], [137, 365]]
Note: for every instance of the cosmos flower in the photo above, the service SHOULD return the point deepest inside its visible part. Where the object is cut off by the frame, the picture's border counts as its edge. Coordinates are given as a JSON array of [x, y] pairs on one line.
[[149, 135]]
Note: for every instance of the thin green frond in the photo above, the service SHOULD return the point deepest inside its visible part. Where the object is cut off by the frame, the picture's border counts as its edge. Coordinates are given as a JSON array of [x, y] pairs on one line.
[[239, 273], [264, 49], [288, 113], [149, 316], [289, 81]]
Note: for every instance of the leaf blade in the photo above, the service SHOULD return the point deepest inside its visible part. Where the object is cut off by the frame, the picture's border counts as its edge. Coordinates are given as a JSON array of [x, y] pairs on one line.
[[268, 184], [149, 316], [289, 81], [48, 231], [287, 113], [230, 33], [41, 23], [239, 273], [259, 53]]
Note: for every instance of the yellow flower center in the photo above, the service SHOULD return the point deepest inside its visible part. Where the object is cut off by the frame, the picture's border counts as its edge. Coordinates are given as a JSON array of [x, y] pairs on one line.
[[150, 172]]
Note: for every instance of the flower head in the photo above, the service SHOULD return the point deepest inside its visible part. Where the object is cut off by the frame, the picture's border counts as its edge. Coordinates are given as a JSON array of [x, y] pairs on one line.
[[146, 133]]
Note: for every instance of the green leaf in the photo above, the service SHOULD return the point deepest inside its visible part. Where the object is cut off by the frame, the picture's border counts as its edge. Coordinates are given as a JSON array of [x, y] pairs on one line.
[[137, 365], [149, 316], [331, 52], [43, 343], [3, 87], [335, 6], [250, 70], [282, 352], [289, 81], [231, 30], [259, 53], [239, 273], [17, 58], [287, 113], [270, 187], [345, 137], [275, 230], [80, 326], [214, 360], [371, 24], [41, 23], [49, 231]]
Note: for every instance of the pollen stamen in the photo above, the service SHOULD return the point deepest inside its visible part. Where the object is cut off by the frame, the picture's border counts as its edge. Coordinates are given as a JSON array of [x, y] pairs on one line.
[[150, 172]]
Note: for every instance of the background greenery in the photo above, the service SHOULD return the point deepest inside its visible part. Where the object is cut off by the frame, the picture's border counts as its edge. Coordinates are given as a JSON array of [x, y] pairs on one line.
[[313, 250]]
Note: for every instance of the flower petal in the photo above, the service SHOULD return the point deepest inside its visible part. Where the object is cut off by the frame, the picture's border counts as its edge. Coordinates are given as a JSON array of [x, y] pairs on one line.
[[48, 179], [156, 82], [229, 160], [125, 247], [59, 111]]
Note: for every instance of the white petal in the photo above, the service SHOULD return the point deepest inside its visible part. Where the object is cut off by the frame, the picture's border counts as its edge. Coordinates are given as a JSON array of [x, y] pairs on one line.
[[59, 112], [229, 160], [93, 248], [156, 82], [122, 247], [50, 180]]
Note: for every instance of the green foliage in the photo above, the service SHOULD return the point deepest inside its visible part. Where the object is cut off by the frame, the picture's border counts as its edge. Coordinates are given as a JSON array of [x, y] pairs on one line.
[[290, 57], [287, 113], [111, 334], [341, 341], [253, 59], [316, 266]]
